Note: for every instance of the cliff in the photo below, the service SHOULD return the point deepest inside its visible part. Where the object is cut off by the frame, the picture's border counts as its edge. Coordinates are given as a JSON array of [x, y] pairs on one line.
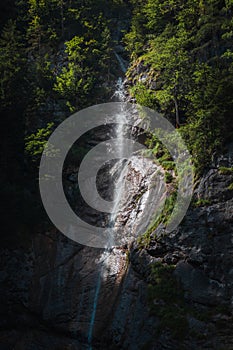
[[174, 293]]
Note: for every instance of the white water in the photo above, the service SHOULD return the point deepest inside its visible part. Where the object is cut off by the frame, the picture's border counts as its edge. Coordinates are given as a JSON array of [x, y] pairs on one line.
[[120, 129], [110, 260]]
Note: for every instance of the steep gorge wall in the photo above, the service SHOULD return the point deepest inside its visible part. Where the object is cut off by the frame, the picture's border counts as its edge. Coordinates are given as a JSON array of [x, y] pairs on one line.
[[57, 294]]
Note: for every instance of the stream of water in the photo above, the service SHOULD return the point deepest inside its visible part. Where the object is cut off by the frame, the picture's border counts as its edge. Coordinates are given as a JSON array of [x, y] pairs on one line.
[[107, 260], [120, 130]]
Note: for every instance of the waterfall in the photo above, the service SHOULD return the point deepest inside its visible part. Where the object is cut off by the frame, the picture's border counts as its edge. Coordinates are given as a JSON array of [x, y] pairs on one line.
[[95, 302], [121, 62], [120, 131], [109, 261]]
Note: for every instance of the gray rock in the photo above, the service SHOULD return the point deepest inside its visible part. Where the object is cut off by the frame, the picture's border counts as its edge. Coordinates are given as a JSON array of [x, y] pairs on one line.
[[58, 294]]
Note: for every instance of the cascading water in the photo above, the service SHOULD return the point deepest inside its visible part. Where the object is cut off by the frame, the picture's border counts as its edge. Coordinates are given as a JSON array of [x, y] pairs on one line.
[[109, 260], [125, 220], [120, 131], [121, 63]]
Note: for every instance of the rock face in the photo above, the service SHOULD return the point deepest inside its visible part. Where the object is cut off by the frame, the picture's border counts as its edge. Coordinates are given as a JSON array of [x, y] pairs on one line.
[[56, 294], [143, 194]]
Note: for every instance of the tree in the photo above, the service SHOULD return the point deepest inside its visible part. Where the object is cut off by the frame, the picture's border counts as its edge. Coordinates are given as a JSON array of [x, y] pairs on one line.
[[88, 56], [186, 51]]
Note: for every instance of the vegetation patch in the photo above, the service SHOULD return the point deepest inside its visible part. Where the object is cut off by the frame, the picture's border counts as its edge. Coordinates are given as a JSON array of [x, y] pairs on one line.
[[225, 171], [166, 300], [201, 202], [168, 177], [163, 218], [36, 142], [184, 70]]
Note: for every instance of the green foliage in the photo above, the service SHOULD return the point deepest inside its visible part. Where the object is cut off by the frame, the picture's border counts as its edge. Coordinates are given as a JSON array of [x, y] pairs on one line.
[[163, 218], [164, 159], [88, 57], [75, 81], [35, 143], [167, 164], [202, 202], [143, 95], [230, 187], [181, 64], [168, 177], [165, 285], [45, 23], [186, 52], [225, 171]]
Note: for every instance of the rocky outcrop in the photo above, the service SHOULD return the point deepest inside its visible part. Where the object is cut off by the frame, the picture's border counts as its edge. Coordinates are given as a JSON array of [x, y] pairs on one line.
[[57, 294], [143, 194], [201, 252], [141, 73]]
